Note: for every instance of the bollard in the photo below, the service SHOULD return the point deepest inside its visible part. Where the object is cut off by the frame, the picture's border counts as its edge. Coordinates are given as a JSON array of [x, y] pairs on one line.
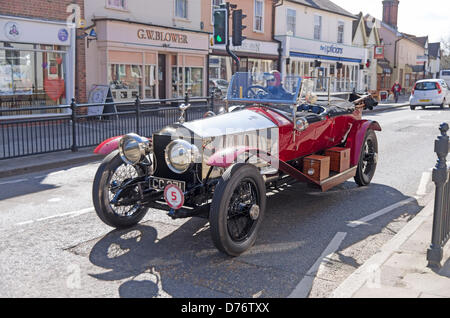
[[440, 178], [73, 107], [137, 105]]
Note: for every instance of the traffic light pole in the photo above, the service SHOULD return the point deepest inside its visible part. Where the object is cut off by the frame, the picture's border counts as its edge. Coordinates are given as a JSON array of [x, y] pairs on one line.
[[233, 56]]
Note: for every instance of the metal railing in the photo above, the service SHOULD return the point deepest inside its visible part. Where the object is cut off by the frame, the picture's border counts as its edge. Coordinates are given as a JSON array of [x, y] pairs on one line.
[[441, 217], [37, 134]]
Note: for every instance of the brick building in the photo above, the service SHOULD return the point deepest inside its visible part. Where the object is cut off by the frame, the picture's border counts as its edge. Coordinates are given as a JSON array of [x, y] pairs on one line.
[[42, 61]]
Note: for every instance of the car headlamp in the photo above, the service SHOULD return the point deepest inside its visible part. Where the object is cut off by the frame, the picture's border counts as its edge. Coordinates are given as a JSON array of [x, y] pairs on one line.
[[133, 148], [180, 155]]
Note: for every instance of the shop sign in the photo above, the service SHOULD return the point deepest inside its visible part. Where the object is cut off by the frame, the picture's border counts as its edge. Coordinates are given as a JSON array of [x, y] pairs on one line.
[[33, 31], [379, 53], [327, 49], [421, 59], [162, 36], [63, 35], [12, 30]]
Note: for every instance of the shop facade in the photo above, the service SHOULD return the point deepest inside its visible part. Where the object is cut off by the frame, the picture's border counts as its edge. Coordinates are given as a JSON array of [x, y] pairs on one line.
[[334, 64], [152, 62], [254, 56], [37, 63]]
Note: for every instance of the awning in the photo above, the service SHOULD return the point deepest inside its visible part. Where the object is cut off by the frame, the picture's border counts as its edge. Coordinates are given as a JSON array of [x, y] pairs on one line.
[[417, 68], [384, 67], [325, 57]]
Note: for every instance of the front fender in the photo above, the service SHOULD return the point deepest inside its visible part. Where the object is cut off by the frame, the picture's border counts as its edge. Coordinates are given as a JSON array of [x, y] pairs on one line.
[[228, 156], [356, 136], [108, 146]]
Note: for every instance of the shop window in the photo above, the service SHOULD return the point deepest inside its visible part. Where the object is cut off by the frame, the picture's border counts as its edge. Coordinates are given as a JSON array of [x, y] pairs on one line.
[[291, 19], [150, 81], [194, 81], [181, 9], [117, 4], [220, 67], [31, 76], [125, 81], [177, 82], [259, 16], [407, 80]]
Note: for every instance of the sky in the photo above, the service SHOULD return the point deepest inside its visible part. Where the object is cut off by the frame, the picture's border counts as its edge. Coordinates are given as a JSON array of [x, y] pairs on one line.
[[417, 17]]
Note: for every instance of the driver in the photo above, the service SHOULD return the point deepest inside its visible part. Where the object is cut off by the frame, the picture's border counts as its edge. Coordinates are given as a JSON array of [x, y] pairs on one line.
[[275, 87]]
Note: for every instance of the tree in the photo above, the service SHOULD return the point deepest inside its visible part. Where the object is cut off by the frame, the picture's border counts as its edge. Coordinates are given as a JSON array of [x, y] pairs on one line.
[[445, 58]]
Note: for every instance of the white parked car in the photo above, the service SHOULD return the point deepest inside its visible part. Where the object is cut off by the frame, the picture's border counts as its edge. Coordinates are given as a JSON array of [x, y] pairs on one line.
[[445, 75], [430, 92]]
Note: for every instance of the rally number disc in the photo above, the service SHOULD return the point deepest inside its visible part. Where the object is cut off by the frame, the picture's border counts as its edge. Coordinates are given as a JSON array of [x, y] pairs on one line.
[[174, 196]]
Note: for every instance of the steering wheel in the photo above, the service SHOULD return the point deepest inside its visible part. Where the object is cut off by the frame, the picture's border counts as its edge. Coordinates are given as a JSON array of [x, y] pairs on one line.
[[256, 91]]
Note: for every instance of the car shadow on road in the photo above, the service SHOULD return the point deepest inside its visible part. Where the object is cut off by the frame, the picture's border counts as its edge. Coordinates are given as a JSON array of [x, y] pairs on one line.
[[157, 259]]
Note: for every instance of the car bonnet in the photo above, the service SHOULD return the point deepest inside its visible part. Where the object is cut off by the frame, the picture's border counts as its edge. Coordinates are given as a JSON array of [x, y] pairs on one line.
[[230, 123]]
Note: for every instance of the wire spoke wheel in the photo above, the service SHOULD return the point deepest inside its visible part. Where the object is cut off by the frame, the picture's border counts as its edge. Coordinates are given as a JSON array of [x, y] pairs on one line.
[[368, 159], [123, 174], [237, 209], [239, 220], [116, 203]]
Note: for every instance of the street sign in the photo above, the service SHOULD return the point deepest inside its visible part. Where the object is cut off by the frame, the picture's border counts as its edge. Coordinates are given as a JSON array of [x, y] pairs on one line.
[[379, 53], [421, 59]]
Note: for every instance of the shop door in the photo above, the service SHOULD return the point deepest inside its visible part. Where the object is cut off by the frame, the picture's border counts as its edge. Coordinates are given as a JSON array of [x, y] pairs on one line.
[[162, 76]]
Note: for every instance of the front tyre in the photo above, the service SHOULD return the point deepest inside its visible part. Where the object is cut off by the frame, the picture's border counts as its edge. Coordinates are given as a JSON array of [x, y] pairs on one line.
[[111, 174], [367, 159], [237, 209]]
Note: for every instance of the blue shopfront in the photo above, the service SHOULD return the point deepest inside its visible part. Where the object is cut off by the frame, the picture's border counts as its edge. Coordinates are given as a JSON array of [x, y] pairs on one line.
[[337, 65]]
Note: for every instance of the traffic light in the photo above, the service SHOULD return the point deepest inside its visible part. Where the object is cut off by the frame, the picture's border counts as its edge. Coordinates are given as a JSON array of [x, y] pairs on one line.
[[220, 26], [238, 27]]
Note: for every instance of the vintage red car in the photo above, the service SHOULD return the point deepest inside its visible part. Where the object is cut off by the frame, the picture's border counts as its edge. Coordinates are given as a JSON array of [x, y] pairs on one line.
[[221, 166]]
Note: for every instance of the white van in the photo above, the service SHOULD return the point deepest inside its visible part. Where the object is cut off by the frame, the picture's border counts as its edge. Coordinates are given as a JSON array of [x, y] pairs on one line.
[[445, 75]]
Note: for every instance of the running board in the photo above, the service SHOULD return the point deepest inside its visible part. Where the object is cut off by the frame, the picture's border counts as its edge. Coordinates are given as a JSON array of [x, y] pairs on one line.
[[333, 181]]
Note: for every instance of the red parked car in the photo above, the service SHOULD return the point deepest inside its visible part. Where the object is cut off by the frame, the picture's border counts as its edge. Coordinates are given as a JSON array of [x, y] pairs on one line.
[[220, 167]]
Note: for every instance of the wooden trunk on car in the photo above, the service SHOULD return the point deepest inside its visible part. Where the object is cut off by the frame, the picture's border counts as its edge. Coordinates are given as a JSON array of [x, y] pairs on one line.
[[317, 167], [339, 158]]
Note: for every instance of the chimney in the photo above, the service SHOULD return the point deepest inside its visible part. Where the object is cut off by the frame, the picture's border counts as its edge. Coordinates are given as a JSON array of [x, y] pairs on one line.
[[390, 12]]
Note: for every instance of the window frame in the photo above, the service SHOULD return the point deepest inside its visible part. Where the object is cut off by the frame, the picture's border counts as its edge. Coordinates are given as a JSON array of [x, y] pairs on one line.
[[123, 7], [287, 20], [340, 23], [255, 16], [320, 25], [186, 11]]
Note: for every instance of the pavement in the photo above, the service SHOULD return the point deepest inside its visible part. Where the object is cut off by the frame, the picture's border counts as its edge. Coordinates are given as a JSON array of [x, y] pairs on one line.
[[54, 160], [400, 269]]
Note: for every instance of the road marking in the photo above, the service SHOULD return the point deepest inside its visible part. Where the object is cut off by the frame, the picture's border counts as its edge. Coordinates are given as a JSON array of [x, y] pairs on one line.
[[13, 181], [422, 189], [379, 213], [304, 287], [71, 214]]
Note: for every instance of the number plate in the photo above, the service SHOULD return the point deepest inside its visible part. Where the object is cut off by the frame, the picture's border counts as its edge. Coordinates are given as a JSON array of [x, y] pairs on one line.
[[161, 183], [424, 100]]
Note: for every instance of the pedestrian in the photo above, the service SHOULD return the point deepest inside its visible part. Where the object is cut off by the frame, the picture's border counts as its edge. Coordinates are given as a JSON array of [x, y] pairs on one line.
[[396, 89]]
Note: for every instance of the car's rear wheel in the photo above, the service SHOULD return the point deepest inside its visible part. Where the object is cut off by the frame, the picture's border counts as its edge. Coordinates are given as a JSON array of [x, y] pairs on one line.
[[423, 107], [237, 209], [111, 175], [367, 160]]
